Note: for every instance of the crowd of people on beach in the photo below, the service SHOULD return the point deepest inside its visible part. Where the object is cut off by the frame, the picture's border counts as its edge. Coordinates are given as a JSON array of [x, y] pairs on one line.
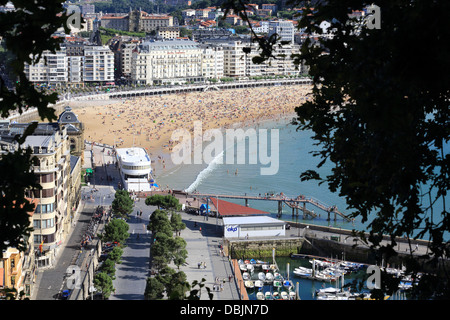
[[149, 121]]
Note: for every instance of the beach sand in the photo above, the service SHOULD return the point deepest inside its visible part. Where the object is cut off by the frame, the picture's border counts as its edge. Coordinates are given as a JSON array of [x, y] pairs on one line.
[[149, 122]]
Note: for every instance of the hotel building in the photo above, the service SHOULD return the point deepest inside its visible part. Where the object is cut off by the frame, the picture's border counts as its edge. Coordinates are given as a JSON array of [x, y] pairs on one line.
[[172, 61]]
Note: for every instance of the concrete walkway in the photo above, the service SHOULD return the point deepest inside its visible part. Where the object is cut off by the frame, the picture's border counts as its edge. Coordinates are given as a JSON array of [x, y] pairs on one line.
[[204, 247]]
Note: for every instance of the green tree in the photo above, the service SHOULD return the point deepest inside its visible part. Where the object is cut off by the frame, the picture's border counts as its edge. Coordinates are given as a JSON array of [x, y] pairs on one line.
[[159, 223], [177, 247], [177, 222], [154, 289], [116, 230], [116, 254], [122, 204], [109, 267], [104, 284], [155, 200], [167, 202]]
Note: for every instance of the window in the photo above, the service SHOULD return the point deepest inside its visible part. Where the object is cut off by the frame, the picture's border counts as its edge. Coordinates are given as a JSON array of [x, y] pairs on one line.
[[44, 208]]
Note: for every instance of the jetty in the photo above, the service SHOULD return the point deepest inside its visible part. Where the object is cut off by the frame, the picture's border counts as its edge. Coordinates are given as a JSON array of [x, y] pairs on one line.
[[295, 203]]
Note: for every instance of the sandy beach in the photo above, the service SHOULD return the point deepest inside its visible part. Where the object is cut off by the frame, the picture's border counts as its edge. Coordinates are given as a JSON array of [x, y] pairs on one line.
[[150, 121]]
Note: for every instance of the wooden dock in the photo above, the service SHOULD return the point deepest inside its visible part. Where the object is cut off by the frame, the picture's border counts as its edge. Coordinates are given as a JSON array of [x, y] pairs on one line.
[[298, 203]]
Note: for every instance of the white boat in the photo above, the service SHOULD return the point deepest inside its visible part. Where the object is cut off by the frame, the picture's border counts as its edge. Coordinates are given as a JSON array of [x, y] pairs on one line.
[[277, 276], [259, 284], [250, 267], [276, 295], [292, 295], [273, 267], [284, 295], [329, 290], [324, 277], [303, 269], [262, 276], [260, 296], [303, 275], [249, 284], [246, 276], [268, 295], [243, 267], [265, 267], [269, 277]]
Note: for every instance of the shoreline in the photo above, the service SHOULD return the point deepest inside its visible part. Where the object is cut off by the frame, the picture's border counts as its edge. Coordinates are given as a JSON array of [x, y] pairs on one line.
[[149, 122]]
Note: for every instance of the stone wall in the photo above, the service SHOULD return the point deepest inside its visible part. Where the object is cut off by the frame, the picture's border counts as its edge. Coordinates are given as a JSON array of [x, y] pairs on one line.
[[245, 249]]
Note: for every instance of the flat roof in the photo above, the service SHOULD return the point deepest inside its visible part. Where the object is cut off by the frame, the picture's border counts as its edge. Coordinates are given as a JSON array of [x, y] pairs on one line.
[[251, 220], [132, 155]]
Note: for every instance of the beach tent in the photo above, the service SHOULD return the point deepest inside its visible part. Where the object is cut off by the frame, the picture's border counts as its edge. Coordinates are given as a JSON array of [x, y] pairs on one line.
[[203, 208]]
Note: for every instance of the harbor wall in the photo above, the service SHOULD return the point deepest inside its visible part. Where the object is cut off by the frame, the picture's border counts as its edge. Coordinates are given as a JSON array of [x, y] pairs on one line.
[[262, 248]]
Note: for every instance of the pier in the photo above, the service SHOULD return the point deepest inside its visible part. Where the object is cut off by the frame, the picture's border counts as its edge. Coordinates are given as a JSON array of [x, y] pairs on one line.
[[296, 204]]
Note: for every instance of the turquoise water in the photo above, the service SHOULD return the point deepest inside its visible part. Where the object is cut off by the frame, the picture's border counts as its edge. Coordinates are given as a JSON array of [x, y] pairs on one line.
[[294, 158]]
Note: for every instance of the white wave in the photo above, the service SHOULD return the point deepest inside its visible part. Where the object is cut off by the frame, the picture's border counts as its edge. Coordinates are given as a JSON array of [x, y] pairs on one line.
[[205, 172]]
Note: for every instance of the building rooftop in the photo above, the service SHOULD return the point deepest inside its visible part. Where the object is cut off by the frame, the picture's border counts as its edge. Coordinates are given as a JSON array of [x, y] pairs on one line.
[[133, 155], [227, 208], [148, 46], [251, 220]]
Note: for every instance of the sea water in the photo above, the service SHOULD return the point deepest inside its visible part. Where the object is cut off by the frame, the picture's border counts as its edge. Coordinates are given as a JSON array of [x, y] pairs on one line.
[[245, 179], [295, 157]]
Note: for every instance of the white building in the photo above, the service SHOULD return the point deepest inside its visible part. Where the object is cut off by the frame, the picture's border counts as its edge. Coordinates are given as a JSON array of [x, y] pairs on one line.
[[92, 64], [51, 68], [253, 227], [239, 64], [98, 64], [212, 62], [234, 59], [172, 61], [263, 27], [135, 168], [284, 29]]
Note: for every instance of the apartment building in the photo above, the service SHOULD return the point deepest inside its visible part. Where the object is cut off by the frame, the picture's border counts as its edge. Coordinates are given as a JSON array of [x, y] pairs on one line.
[[234, 60], [284, 29], [172, 61], [98, 64], [168, 32], [281, 64], [123, 52], [53, 166], [212, 61], [51, 68], [238, 64], [74, 64]]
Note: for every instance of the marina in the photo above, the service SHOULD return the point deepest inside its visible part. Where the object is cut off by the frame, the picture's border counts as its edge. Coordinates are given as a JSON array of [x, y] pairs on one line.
[[332, 280]]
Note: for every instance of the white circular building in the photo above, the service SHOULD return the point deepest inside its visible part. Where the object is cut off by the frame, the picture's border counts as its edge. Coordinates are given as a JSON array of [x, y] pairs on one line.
[[135, 168]]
